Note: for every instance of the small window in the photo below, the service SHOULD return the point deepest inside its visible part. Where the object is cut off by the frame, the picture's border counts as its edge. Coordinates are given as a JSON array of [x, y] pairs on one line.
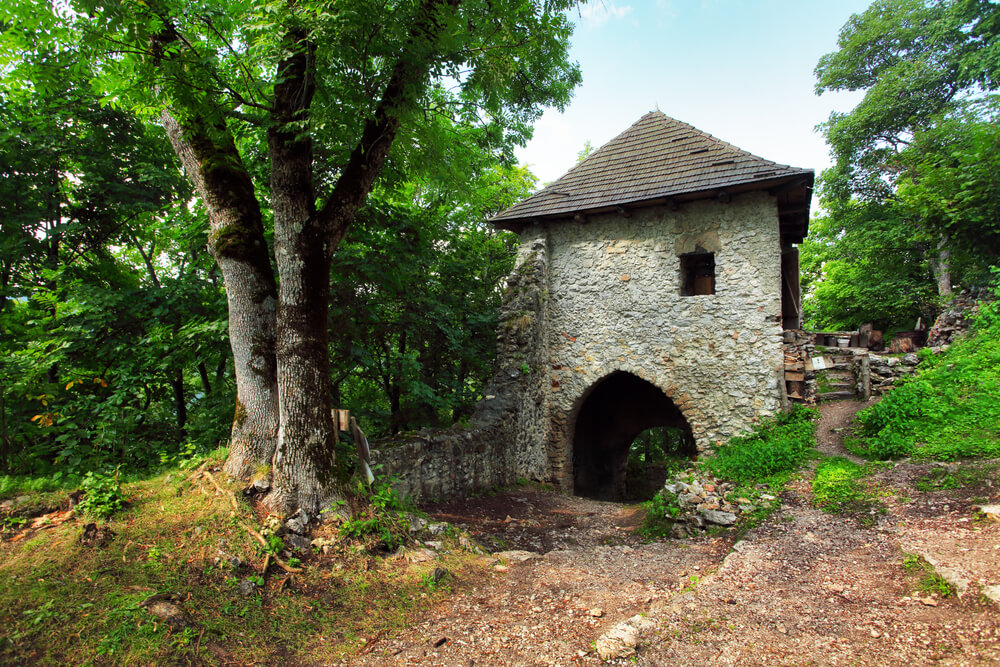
[[697, 273]]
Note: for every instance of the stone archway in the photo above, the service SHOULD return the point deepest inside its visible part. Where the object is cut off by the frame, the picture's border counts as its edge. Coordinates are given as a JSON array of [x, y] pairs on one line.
[[610, 415]]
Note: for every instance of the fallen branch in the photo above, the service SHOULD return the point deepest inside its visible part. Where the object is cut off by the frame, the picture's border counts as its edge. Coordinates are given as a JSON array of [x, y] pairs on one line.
[[197, 472], [232, 499], [282, 564]]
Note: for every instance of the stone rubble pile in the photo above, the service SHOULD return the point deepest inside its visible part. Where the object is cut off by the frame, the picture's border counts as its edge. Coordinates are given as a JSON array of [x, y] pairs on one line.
[[705, 501], [954, 319], [886, 370]]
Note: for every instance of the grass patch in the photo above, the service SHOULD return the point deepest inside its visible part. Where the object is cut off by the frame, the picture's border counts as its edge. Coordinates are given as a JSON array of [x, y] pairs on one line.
[[838, 487], [958, 478], [12, 486], [949, 409], [66, 602], [926, 579], [775, 448]]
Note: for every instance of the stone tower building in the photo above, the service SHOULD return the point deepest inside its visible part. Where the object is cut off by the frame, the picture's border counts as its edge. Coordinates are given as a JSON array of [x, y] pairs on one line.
[[666, 273], [652, 285]]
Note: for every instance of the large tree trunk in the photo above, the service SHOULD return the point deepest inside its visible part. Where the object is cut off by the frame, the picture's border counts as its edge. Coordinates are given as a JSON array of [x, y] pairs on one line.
[[236, 241], [280, 344], [304, 466]]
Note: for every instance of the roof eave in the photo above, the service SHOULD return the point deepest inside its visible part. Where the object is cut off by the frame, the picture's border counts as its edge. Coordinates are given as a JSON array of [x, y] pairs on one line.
[[796, 188]]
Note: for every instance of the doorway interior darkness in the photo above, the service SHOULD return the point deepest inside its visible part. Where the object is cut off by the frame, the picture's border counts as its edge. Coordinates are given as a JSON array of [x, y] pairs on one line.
[[617, 409]]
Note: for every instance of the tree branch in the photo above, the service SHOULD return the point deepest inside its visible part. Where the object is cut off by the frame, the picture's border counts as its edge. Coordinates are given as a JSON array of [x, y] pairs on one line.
[[399, 96]]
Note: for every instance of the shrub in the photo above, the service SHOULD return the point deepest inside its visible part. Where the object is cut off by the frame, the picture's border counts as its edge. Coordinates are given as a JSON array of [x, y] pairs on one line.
[[381, 523], [102, 495], [949, 409], [777, 445]]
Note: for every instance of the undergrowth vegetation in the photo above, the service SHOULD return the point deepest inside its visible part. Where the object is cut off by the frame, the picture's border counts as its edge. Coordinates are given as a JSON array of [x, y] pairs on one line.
[[72, 595], [949, 409], [758, 464], [839, 487], [770, 452]]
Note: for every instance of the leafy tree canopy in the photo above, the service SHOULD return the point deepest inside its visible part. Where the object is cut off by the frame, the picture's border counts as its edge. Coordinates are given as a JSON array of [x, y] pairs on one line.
[[910, 200]]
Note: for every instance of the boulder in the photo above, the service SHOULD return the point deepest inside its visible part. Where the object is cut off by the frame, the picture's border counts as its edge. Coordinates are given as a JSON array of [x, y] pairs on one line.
[[621, 640], [718, 517], [298, 523]]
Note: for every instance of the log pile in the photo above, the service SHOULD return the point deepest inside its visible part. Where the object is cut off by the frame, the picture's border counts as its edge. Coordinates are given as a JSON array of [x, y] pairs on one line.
[[800, 381]]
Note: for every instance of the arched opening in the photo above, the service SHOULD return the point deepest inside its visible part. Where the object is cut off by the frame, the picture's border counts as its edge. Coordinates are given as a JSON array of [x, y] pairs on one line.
[[612, 417]]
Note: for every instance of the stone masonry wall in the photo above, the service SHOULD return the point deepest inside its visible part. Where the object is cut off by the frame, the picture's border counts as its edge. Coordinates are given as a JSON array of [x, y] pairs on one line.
[[505, 438], [615, 305], [588, 299]]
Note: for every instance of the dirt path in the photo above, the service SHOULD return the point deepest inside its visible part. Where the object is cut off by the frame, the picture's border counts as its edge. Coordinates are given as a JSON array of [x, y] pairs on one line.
[[802, 588]]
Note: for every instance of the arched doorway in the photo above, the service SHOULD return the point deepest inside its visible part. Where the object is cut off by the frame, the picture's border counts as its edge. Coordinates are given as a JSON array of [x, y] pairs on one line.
[[611, 415]]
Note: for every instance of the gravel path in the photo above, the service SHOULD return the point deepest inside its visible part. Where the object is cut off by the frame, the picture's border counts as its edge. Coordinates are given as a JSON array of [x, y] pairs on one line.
[[803, 588]]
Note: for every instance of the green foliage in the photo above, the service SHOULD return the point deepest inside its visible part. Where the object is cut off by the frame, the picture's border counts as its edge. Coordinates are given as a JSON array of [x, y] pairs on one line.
[[102, 495], [275, 545], [837, 487], [415, 301], [950, 183], [864, 263], [949, 409], [114, 346], [776, 446], [381, 523], [11, 486], [661, 512], [913, 189], [108, 302], [917, 62]]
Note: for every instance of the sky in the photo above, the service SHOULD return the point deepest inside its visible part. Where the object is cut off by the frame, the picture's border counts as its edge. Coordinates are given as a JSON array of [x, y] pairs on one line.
[[741, 70]]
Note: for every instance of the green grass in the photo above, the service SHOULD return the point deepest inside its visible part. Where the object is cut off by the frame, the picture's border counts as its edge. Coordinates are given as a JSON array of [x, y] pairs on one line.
[[945, 478], [949, 409], [769, 454], [63, 602], [927, 580], [838, 487]]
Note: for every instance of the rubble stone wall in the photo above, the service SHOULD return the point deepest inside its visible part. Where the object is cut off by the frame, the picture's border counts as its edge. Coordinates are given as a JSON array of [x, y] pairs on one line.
[[615, 305], [587, 299]]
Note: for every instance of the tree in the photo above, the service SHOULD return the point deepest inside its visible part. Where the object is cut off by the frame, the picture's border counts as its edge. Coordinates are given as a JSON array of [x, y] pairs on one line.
[[323, 91], [417, 286], [107, 304], [928, 68], [865, 263], [918, 61]]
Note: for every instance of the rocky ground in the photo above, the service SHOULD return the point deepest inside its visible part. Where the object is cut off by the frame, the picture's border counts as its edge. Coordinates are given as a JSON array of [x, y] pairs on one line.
[[572, 582]]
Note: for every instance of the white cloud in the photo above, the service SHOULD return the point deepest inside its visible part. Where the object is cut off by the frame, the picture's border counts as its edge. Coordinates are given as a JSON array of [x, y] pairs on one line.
[[595, 14]]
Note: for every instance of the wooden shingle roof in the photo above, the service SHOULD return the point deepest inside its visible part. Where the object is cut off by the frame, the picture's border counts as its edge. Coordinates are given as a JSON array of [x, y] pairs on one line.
[[660, 159]]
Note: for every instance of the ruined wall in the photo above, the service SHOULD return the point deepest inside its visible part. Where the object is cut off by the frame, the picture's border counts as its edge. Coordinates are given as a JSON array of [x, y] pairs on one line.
[[615, 305], [505, 438], [588, 299]]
